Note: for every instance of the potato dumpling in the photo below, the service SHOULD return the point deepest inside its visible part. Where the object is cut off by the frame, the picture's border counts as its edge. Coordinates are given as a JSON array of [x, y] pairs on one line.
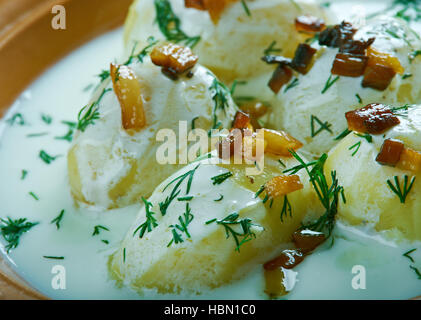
[[370, 199], [312, 109], [113, 163], [233, 45], [207, 258]]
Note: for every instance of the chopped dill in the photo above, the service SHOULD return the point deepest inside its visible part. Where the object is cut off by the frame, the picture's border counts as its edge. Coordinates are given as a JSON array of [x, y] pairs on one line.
[[221, 178], [401, 193], [46, 157], [272, 49], [53, 258], [417, 272], [150, 222], [286, 209], [245, 234], [24, 174], [69, 135], [323, 126], [221, 196], [46, 118], [220, 94], [407, 254], [359, 98], [292, 84], [343, 134], [105, 241], [327, 194], [170, 24], [17, 118], [329, 83], [36, 135], [235, 83], [246, 8], [12, 230], [33, 195], [98, 228], [57, 220], [88, 115], [356, 147], [183, 222], [189, 198]]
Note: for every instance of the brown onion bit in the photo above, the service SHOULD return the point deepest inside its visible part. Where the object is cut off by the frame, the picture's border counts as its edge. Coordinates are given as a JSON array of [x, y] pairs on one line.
[[303, 57], [195, 4], [390, 152], [255, 110], [337, 35], [308, 240], [378, 77], [174, 59], [409, 160], [232, 144], [241, 120], [282, 185], [349, 65], [288, 259], [356, 46], [308, 23], [373, 119], [280, 77]]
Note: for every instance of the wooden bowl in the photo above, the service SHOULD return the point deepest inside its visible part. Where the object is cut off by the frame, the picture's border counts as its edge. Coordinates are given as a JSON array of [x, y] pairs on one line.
[[29, 45]]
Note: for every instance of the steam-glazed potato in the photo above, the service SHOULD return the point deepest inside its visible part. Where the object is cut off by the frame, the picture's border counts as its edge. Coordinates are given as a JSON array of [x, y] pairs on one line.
[[187, 234], [381, 192], [113, 159], [231, 44], [311, 106]]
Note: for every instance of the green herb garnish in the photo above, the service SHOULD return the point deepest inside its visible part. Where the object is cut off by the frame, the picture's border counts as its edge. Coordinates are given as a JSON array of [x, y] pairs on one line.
[[12, 230], [89, 114], [183, 222], [46, 157], [98, 228], [150, 222], [53, 258], [221, 178], [17, 118], [323, 126], [241, 236], [329, 83], [170, 24], [57, 220], [33, 195], [401, 193]]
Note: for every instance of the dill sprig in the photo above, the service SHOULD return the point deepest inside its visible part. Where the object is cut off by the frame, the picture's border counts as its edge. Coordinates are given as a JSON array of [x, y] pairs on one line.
[[329, 83], [69, 135], [343, 134], [53, 258], [272, 49], [33, 195], [57, 220], [24, 174], [402, 110], [88, 114], [221, 178], [46, 157], [163, 206], [221, 196], [17, 118], [355, 147], [98, 228], [12, 230], [327, 194], [240, 237], [246, 8], [170, 24], [46, 118], [286, 209], [150, 222], [401, 193], [220, 94], [407, 254], [292, 84], [323, 126], [183, 222]]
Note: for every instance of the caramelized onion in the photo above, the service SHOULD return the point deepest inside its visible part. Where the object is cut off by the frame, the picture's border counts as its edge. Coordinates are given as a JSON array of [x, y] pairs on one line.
[[283, 185], [128, 91], [349, 65], [241, 120], [390, 152], [280, 142], [174, 59], [373, 119], [195, 4], [288, 259], [255, 110], [303, 57], [409, 160], [308, 23], [214, 7], [356, 46], [308, 240], [280, 77], [336, 36]]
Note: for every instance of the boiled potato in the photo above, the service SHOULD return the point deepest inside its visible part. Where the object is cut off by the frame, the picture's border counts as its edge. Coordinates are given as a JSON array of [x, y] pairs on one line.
[[207, 258], [231, 47], [294, 109], [112, 164], [370, 200]]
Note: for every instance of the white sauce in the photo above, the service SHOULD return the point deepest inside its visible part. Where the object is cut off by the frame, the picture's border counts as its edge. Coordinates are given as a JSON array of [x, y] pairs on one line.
[[59, 92]]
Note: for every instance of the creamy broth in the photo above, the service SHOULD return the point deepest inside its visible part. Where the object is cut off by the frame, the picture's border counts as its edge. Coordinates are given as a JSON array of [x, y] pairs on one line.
[[60, 93]]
